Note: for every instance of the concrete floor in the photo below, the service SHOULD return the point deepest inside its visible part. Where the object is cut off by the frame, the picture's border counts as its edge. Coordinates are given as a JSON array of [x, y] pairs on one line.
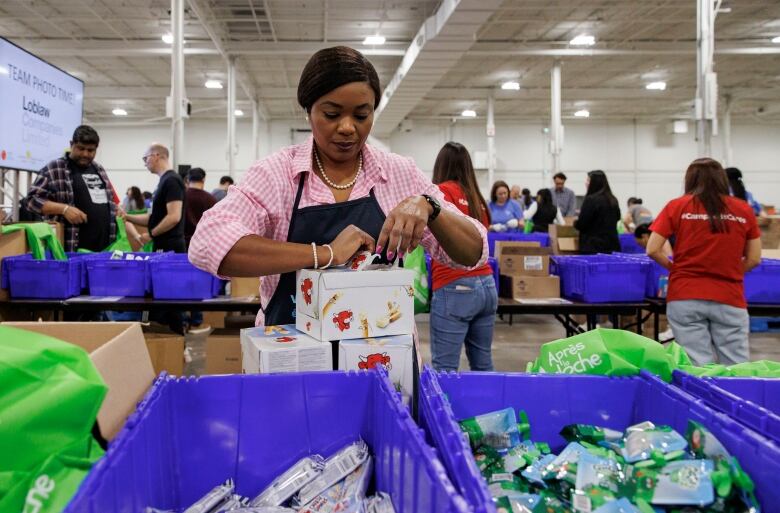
[[513, 346]]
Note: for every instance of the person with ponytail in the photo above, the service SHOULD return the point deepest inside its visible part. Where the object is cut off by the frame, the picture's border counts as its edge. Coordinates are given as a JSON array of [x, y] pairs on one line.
[[598, 217], [717, 241], [737, 189], [463, 308]]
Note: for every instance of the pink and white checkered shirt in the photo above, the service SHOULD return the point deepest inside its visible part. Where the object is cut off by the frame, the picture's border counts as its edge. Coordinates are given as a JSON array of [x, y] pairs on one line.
[[261, 204]]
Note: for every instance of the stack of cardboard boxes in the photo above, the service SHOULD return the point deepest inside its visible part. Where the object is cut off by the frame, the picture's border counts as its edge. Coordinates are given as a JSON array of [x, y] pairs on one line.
[[357, 319], [525, 271]]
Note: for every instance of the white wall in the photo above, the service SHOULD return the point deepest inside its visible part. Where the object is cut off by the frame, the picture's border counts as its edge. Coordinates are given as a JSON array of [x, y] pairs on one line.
[[640, 160]]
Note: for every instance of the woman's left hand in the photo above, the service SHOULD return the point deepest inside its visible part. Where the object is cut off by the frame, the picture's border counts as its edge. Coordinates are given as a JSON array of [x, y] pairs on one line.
[[404, 227]]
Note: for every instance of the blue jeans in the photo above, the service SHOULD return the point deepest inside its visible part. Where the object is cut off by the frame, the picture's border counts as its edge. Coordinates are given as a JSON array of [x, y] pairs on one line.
[[463, 311]]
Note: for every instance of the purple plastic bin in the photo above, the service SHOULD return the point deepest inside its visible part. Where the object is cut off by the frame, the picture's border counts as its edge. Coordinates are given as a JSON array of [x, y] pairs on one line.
[[553, 401], [190, 434], [542, 238], [762, 284], [654, 274], [628, 244], [592, 278], [25, 277], [130, 278], [754, 402], [174, 277]]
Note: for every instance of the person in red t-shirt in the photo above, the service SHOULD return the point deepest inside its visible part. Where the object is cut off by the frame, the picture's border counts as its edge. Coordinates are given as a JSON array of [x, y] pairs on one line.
[[716, 243], [463, 308]]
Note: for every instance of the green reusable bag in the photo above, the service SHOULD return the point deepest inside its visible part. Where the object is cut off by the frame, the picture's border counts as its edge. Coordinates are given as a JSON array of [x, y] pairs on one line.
[[528, 227], [40, 236], [758, 369], [122, 243], [415, 261], [604, 352]]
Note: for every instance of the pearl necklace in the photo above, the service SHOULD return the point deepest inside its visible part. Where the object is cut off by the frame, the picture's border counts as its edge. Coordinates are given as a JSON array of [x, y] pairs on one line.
[[329, 182]]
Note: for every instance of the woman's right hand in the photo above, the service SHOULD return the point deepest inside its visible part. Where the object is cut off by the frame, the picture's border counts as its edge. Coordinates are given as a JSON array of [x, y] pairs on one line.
[[350, 241]]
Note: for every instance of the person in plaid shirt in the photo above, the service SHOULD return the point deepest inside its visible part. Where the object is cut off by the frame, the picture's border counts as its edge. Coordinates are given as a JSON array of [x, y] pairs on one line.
[[75, 190]]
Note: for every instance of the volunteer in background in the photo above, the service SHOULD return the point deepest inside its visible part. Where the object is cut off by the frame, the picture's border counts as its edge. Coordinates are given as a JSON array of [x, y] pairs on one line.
[[636, 214], [526, 200], [147, 199], [198, 201], [642, 237], [134, 200], [598, 217], [505, 213], [224, 184], [318, 203], [543, 212], [563, 197], [737, 189], [463, 307], [716, 243], [75, 190], [515, 193], [166, 221]]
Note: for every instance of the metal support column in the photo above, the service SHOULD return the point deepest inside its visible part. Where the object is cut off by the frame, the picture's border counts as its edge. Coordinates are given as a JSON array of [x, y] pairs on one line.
[[256, 129], [706, 104], [491, 139], [556, 128], [177, 82], [231, 115], [728, 150]]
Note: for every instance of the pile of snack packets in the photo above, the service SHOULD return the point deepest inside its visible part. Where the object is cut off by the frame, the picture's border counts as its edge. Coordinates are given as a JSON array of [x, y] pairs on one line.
[[646, 469], [312, 485]]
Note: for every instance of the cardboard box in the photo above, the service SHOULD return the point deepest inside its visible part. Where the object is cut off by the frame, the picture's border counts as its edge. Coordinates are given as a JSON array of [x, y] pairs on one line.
[[392, 353], [215, 319], [223, 354], [269, 349], [770, 253], [167, 352], [244, 287], [11, 244], [120, 355], [530, 287], [501, 244], [339, 304], [564, 239], [770, 232], [526, 261]]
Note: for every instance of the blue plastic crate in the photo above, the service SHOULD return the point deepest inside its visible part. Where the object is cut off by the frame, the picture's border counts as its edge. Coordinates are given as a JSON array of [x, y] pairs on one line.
[[542, 238], [654, 274], [27, 278], [762, 284], [188, 435], [592, 278], [130, 278], [754, 402], [628, 244], [553, 401], [494, 266], [764, 324], [174, 277]]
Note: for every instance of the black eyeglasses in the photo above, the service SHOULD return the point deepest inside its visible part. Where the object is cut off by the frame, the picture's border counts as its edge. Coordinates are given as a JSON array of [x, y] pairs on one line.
[[146, 157]]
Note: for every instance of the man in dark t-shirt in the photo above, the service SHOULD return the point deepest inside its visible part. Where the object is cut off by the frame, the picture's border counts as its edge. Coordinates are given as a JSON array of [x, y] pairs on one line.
[[198, 201], [166, 221], [90, 195]]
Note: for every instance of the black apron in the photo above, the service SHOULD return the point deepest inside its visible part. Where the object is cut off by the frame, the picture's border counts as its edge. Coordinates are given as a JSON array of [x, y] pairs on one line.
[[320, 224]]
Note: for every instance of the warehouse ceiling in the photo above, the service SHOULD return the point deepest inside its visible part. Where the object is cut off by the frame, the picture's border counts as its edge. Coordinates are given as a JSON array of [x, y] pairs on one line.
[[468, 49]]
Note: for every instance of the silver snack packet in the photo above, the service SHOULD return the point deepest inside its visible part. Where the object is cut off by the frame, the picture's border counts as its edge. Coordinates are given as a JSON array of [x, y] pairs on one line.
[[233, 503], [285, 486], [337, 467], [379, 503], [212, 499], [346, 496], [263, 509]]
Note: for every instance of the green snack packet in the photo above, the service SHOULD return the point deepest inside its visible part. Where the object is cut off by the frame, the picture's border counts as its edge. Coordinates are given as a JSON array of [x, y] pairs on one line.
[[501, 484], [486, 457], [550, 503], [496, 429], [588, 433], [520, 456], [524, 503]]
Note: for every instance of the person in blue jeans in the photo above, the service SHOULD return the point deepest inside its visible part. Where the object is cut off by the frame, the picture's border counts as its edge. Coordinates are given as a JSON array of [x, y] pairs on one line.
[[464, 303]]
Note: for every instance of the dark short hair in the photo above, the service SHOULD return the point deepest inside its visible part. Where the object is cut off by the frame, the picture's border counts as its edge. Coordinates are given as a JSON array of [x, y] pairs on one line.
[[196, 174], [147, 195], [226, 179], [85, 134], [561, 176], [634, 201], [642, 229], [331, 68]]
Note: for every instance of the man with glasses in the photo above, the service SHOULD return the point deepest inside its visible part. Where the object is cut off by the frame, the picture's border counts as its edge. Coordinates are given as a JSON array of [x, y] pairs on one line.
[[166, 221], [75, 190]]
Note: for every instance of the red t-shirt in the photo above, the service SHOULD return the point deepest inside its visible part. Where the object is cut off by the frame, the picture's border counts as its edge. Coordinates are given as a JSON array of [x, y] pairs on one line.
[[707, 265], [442, 275]]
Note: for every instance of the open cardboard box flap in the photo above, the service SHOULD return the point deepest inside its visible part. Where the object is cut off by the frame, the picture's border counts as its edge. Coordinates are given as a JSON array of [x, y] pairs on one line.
[[119, 353]]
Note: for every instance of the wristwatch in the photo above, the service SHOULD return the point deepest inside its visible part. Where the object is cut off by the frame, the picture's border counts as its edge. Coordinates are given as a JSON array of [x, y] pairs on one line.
[[436, 208]]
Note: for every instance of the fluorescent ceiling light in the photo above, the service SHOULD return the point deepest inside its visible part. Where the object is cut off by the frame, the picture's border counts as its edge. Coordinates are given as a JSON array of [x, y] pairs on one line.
[[656, 86], [213, 84], [238, 112], [511, 86], [468, 113], [776, 40], [583, 40], [582, 114], [374, 40], [119, 112], [168, 38]]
